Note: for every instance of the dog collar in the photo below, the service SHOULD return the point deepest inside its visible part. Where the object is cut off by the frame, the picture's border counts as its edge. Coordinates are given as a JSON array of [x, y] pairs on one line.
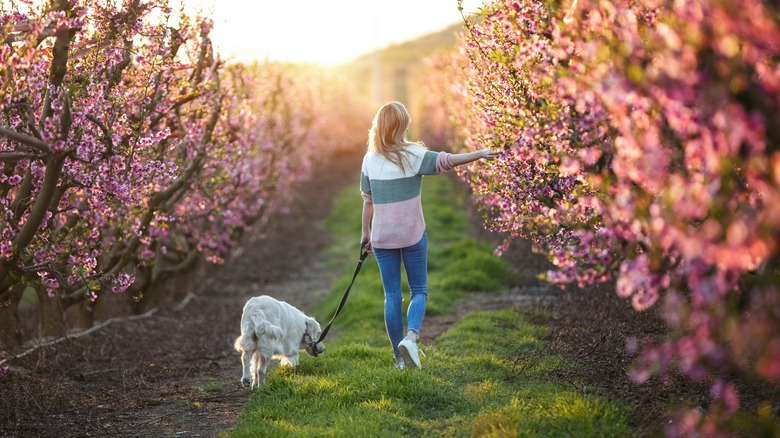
[[312, 344]]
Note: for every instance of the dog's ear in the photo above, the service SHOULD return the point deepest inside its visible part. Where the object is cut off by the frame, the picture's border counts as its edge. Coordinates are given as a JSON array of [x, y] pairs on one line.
[[313, 328]]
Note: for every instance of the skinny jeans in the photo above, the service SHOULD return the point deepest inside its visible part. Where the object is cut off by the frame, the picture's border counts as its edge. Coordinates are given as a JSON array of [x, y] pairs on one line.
[[415, 261]]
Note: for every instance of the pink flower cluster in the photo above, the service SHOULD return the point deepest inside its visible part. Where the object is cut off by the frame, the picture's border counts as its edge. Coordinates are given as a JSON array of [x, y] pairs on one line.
[[640, 143]]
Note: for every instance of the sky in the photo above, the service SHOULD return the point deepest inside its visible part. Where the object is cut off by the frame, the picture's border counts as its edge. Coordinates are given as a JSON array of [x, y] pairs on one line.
[[323, 32]]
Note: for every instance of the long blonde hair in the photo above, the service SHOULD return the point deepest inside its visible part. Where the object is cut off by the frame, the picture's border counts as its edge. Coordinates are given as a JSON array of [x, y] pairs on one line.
[[387, 135]]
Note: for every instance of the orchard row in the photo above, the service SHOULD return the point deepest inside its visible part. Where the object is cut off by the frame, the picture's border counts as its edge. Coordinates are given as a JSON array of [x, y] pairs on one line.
[[640, 144], [129, 151]]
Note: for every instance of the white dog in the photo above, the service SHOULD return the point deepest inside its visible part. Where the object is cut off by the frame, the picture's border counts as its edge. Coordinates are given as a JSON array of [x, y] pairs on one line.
[[272, 328]]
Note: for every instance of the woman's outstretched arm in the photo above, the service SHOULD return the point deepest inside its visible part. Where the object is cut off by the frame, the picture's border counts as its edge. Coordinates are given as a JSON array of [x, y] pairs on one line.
[[468, 157]]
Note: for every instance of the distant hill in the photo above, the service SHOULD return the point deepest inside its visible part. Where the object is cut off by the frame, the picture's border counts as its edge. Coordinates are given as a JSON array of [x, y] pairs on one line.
[[414, 50], [389, 73]]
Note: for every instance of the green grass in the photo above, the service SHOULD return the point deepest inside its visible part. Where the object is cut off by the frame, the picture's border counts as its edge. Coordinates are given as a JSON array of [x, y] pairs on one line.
[[212, 387], [486, 376]]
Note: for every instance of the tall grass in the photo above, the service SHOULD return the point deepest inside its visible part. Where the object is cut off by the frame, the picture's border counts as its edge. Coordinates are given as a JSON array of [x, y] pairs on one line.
[[486, 376]]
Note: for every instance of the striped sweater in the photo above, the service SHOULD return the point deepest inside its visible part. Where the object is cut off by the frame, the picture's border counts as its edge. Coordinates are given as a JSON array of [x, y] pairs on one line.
[[398, 219]]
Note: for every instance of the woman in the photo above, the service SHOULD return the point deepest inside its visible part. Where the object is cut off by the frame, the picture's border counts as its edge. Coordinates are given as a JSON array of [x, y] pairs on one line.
[[393, 223]]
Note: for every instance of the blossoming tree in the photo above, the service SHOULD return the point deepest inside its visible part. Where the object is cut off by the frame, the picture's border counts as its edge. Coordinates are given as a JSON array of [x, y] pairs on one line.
[[640, 143], [129, 151]]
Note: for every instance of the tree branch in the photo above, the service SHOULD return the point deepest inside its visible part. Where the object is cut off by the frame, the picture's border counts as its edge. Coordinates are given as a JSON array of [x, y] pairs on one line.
[[78, 335], [38, 212], [27, 112], [106, 134], [14, 156], [25, 139], [18, 32], [59, 61], [175, 105]]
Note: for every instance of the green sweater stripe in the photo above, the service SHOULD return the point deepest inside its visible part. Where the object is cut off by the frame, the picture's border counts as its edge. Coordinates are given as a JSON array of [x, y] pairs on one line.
[[393, 190]]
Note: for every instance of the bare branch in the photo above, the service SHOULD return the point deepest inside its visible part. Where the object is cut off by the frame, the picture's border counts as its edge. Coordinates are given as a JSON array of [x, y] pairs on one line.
[[115, 73], [106, 134], [78, 335], [185, 263], [59, 61], [27, 112], [25, 139], [89, 47], [14, 156], [23, 195], [18, 32], [174, 106]]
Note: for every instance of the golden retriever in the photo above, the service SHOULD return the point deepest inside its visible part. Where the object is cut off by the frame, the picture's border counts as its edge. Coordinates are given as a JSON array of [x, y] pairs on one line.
[[273, 329]]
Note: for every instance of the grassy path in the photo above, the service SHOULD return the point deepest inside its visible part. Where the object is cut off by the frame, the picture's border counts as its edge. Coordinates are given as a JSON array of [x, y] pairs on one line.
[[488, 375]]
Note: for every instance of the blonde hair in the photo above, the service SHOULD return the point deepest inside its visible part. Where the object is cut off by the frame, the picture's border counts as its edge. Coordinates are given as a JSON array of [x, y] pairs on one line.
[[387, 135]]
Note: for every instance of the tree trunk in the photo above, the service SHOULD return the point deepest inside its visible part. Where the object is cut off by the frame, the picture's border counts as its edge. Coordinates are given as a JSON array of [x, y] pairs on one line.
[[10, 329], [86, 313], [140, 301], [52, 322], [188, 279]]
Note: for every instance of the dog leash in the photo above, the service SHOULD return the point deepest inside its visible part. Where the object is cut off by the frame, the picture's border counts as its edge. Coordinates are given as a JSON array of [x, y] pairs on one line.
[[363, 256]]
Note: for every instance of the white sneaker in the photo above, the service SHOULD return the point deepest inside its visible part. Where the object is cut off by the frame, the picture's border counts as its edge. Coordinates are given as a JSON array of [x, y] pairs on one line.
[[400, 363], [410, 353]]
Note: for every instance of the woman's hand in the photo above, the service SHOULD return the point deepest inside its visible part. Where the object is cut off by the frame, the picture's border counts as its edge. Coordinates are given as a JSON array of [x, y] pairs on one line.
[[488, 154], [365, 242], [468, 157]]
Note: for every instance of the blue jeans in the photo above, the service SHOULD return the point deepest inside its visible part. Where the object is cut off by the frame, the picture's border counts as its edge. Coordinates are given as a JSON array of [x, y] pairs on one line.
[[415, 261]]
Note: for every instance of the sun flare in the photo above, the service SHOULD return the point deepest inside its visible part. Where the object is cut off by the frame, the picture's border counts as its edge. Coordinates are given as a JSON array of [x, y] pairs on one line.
[[321, 32]]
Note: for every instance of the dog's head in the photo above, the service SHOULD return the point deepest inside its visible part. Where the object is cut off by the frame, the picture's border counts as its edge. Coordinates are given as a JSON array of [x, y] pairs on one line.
[[312, 333]]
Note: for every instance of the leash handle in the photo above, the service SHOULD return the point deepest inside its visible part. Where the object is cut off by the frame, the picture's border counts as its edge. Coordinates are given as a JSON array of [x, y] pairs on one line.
[[363, 256]]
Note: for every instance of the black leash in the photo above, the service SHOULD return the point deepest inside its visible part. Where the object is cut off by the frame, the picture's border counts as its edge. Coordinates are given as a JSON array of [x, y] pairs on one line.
[[363, 256]]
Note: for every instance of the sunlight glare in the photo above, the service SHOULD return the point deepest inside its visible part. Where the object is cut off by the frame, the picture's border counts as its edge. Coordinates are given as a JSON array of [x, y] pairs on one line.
[[322, 32]]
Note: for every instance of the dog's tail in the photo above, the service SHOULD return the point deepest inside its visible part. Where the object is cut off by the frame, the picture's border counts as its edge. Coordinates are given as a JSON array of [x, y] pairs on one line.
[[253, 328]]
